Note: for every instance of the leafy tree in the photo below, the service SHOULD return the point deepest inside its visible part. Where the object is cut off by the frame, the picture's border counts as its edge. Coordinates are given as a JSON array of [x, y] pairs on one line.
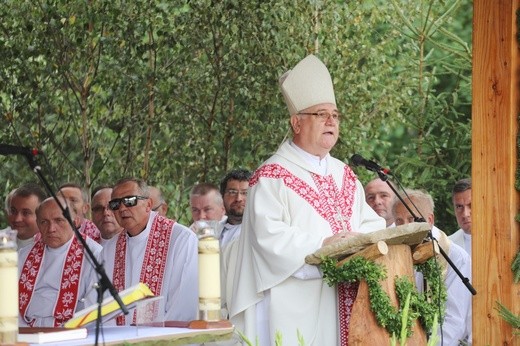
[[178, 92]]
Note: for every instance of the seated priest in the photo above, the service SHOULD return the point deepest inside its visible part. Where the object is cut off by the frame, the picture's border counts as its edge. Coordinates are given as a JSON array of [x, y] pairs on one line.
[[56, 278]]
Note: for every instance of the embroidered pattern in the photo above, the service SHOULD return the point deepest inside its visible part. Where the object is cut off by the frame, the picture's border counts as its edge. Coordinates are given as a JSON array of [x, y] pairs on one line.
[[89, 229], [154, 262], [69, 286], [332, 204], [327, 200]]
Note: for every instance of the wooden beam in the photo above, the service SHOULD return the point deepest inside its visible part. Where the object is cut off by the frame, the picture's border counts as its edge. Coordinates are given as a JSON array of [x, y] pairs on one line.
[[495, 201]]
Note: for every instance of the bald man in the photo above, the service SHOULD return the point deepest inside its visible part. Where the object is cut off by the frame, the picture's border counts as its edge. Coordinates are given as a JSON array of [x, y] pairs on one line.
[[458, 303], [103, 217], [55, 278]]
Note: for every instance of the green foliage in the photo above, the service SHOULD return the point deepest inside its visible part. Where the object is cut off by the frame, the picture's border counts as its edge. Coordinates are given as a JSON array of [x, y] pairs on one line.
[[433, 302], [394, 320], [278, 339], [179, 92], [515, 267], [509, 317]]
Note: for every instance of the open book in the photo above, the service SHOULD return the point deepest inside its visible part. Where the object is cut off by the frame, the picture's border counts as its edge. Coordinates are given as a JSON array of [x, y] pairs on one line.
[[110, 308], [39, 335]]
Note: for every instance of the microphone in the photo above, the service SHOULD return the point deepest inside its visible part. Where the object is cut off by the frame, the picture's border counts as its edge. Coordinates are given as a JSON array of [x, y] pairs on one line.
[[6, 149], [358, 160]]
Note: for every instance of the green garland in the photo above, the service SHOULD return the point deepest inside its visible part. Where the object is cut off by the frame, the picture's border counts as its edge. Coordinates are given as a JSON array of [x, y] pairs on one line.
[[388, 316]]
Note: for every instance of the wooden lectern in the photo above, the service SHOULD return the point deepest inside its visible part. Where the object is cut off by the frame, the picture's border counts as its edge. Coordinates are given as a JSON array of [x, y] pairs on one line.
[[391, 248]]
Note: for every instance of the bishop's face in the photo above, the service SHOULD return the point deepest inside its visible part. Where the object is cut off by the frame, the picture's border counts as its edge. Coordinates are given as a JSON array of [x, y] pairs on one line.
[[314, 134]]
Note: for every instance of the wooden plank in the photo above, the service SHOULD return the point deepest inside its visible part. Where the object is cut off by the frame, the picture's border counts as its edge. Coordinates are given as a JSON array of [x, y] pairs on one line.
[[494, 157]]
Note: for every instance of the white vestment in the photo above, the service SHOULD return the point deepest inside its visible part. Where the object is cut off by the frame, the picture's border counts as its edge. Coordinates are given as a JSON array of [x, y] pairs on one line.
[[21, 243], [180, 281], [47, 287], [229, 233], [458, 302], [291, 208], [463, 239]]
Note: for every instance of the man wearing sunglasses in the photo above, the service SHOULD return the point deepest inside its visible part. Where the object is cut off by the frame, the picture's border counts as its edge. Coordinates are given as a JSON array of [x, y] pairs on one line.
[[153, 250]]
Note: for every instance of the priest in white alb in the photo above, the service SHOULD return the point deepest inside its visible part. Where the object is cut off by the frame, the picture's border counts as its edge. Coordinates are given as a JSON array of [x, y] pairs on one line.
[[56, 278], [300, 199], [153, 250]]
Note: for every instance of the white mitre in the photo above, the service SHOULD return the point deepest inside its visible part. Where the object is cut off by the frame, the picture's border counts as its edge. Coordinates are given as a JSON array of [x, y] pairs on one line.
[[306, 85]]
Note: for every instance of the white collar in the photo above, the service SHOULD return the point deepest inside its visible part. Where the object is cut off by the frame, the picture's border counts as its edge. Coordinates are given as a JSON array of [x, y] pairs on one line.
[[319, 164]]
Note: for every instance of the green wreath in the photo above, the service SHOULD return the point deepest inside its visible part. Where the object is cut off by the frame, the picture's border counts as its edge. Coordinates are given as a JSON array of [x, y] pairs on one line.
[[422, 305]]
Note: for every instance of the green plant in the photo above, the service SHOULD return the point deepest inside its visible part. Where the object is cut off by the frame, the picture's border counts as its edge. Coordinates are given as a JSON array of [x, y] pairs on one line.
[[509, 317], [278, 339], [422, 306]]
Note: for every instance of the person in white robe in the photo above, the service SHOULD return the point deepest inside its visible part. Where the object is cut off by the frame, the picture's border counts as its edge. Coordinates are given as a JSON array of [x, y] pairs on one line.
[[154, 250], [55, 277], [458, 302], [102, 216], [461, 198], [380, 197], [77, 197], [21, 207], [299, 200]]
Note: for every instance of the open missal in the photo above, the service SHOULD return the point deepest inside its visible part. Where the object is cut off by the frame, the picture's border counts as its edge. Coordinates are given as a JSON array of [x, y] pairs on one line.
[[110, 308], [39, 335]]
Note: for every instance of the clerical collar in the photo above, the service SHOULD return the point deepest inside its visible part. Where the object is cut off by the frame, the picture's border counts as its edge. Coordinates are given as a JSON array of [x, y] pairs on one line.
[[320, 165]]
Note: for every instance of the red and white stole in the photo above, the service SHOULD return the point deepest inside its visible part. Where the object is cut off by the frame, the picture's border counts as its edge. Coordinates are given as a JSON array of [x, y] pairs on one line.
[[335, 206], [154, 262], [70, 280], [89, 229]]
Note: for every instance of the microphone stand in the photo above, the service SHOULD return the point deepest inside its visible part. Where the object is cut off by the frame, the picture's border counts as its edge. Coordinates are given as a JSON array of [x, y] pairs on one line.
[[104, 282], [384, 177]]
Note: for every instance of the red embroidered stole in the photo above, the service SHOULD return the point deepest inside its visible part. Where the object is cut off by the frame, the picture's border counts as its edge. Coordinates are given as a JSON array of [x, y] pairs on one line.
[[335, 206], [69, 287], [89, 229], [154, 262]]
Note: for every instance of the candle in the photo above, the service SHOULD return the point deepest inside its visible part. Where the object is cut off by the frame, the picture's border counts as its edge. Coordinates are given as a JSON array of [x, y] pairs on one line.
[[8, 288], [209, 279]]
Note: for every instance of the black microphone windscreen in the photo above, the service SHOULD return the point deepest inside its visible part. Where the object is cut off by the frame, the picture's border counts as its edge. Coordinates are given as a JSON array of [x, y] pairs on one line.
[[357, 159]]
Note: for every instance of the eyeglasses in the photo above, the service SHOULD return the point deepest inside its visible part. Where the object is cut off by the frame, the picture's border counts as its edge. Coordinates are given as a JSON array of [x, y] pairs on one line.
[[235, 193], [100, 209], [324, 116], [128, 201], [156, 208]]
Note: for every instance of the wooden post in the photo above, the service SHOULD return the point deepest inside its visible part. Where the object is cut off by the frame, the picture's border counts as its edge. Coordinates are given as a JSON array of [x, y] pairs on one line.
[[496, 83], [364, 329]]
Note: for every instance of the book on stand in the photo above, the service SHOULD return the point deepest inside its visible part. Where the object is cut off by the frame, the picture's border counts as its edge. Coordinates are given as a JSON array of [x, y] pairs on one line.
[[110, 308], [40, 335]]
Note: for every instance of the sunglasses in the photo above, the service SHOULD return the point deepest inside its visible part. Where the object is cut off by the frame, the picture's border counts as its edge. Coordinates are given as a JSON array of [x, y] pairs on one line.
[[128, 201]]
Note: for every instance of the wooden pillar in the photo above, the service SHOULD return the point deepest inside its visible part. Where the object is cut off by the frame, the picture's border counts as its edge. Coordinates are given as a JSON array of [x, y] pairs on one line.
[[495, 201]]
